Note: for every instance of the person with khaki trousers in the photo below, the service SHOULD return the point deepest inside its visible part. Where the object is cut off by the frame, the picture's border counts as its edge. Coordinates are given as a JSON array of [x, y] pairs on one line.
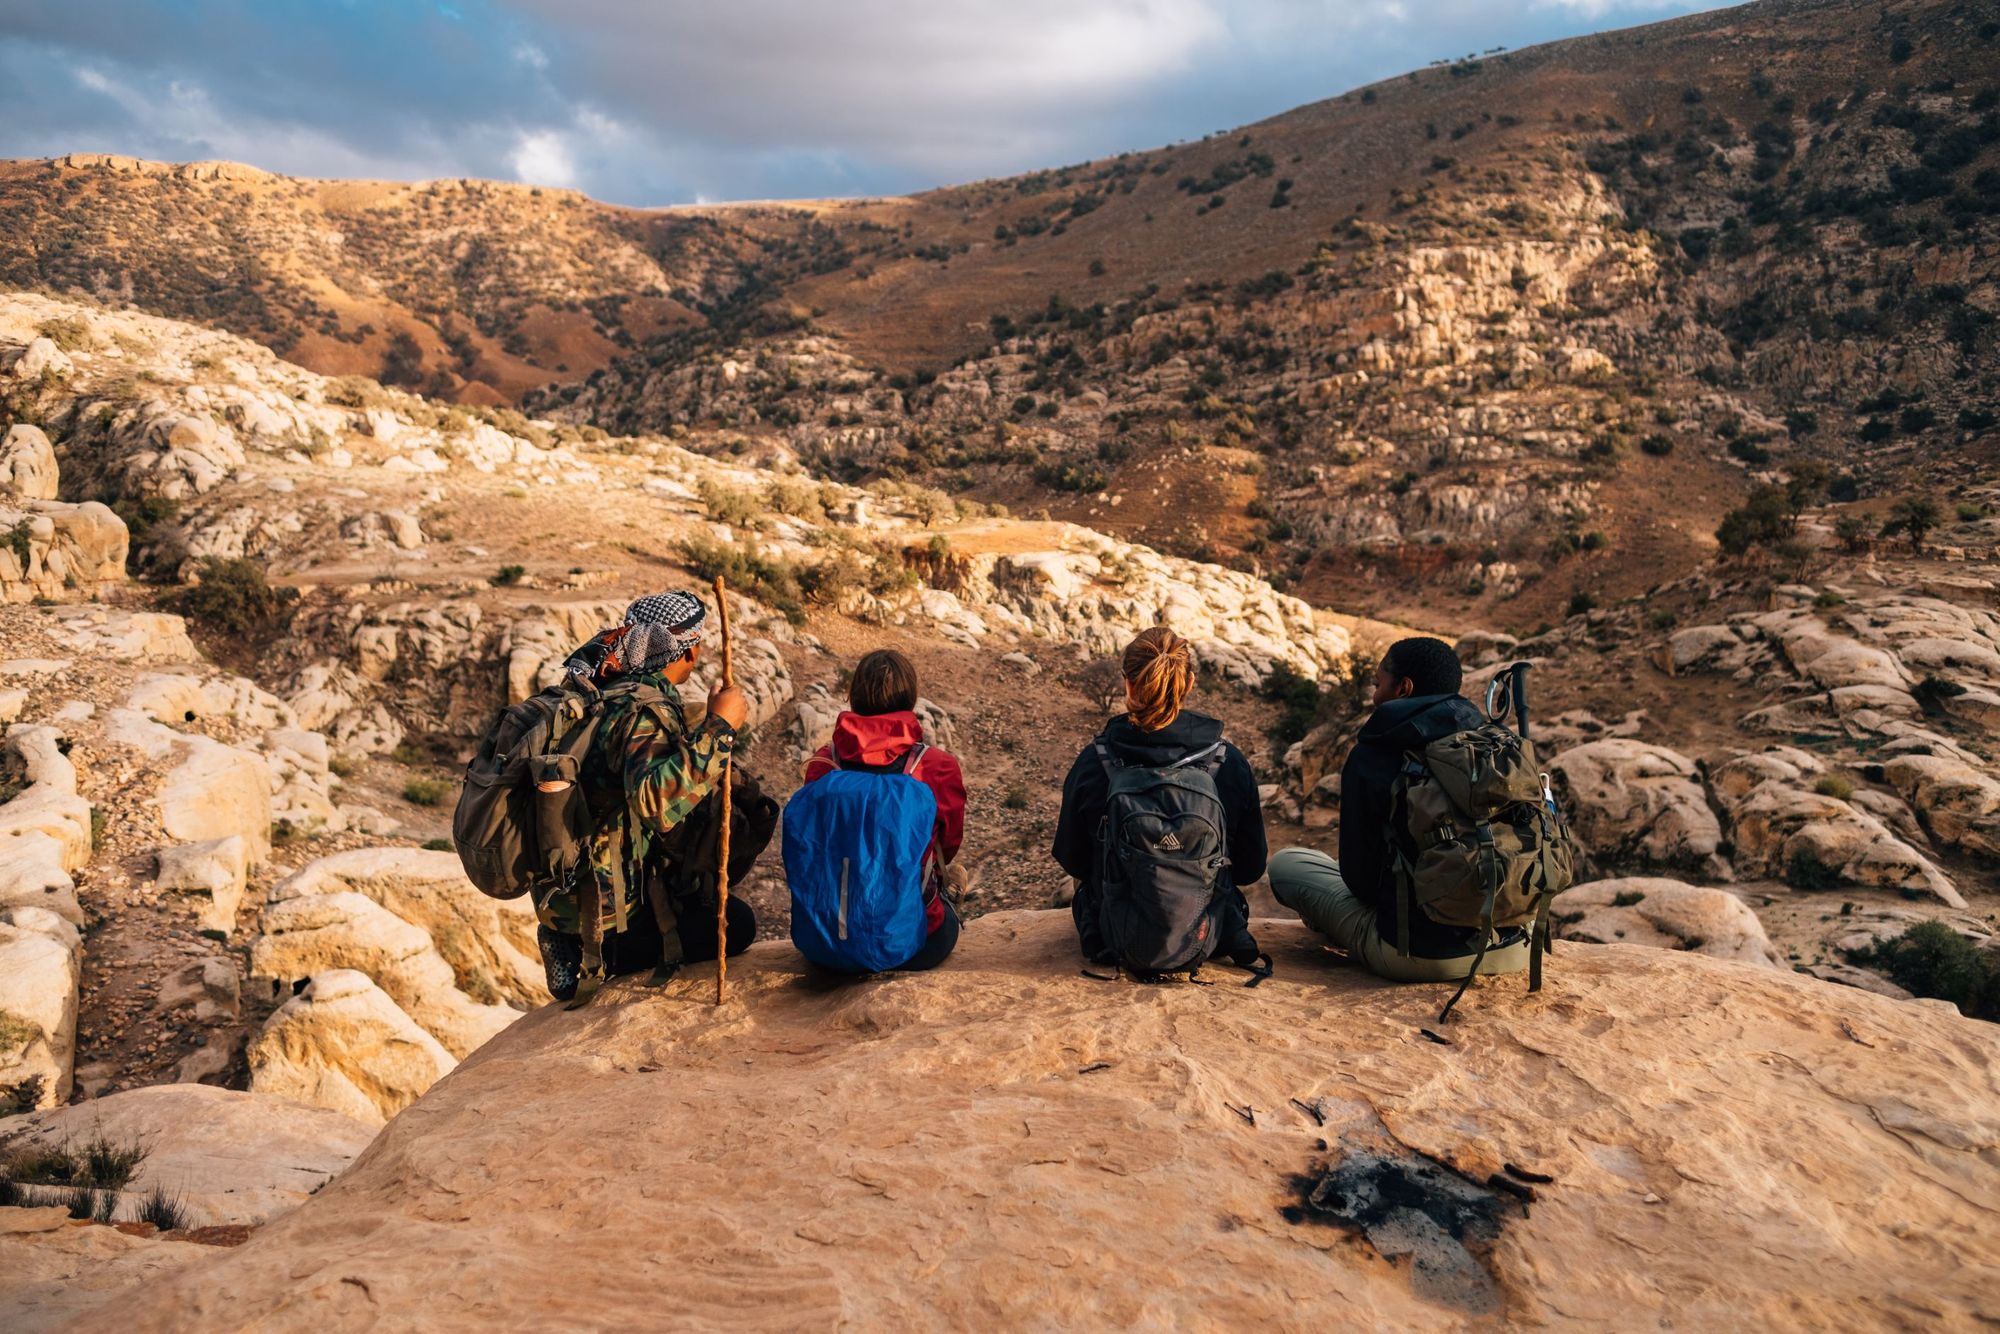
[[1352, 902]]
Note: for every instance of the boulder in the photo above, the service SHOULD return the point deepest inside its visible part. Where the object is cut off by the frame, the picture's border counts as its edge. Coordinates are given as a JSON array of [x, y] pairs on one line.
[[342, 1044], [1631, 802], [213, 872], [307, 936], [489, 943], [41, 965], [208, 790], [1783, 828], [229, 1157], [175, 698], [928, 1150], [43, 360], [60, 548], [1665, 914], [124, 636], [27, 464], [1957, 803], [55, 1276]]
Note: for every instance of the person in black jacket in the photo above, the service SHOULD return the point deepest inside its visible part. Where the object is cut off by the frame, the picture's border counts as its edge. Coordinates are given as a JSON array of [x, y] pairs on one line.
[[1155, 731], [1353, 901]]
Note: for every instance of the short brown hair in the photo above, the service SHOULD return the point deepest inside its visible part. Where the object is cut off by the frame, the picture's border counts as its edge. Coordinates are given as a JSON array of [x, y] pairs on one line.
[[884, 682], [1159, 673]]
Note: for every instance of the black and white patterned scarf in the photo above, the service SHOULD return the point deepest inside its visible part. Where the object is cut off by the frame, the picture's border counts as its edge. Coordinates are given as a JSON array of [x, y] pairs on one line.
[[659, 629]]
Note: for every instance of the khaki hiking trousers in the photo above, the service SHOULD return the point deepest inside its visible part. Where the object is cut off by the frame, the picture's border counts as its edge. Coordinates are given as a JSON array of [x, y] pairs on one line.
[[1308, 882]]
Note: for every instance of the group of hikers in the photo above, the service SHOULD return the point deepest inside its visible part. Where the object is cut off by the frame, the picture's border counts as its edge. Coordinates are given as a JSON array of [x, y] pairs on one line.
[[595, 796]]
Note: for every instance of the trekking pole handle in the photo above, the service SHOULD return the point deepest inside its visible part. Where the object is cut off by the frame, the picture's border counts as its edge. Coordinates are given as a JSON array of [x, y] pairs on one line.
[[1519, 690]]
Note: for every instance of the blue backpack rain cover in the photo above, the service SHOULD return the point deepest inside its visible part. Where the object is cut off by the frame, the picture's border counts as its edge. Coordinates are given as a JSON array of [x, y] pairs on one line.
[[855, 847]]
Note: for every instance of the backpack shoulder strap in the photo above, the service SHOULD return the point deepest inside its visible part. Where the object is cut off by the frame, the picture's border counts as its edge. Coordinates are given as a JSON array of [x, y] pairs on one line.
[[1208, 757], [913, 757], [1111, 766]]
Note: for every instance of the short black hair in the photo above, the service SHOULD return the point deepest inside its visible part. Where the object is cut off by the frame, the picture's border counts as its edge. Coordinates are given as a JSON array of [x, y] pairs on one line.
[[1431, 665]]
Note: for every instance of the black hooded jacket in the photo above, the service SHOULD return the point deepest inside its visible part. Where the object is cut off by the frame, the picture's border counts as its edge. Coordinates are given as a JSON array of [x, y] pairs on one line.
[[1395, 728], [1084, 791]]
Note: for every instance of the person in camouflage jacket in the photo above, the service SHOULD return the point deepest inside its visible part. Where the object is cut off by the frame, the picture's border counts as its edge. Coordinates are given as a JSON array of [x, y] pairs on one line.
[[645, 772]]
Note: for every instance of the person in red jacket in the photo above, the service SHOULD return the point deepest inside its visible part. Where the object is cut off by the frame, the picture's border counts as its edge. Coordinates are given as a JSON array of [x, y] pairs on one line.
[[875, 735]]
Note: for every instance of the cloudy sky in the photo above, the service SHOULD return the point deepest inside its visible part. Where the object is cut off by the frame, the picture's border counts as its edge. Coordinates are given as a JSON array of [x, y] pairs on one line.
[[673, 101]]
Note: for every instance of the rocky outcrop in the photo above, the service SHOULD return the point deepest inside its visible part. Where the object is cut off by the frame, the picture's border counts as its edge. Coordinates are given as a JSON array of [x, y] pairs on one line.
[[1665, 914], [1631, 803], [226, 1156], [52, 549], [1093, 1122], [207, 790], [489, 943], [28, 464], [311, 935], [1789, 822], [437, 958], [341, 1043], [41, 968], [45, 834]]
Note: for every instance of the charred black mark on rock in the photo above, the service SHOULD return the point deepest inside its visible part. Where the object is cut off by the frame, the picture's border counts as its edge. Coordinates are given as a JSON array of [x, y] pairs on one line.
[[1413, 1208]]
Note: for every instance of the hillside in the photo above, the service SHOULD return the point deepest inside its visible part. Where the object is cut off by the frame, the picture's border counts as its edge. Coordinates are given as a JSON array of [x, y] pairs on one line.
[[1470, 342]]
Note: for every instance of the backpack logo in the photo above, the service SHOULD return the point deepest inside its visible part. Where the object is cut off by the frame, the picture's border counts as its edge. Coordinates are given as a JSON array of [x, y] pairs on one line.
[[1170, 843]]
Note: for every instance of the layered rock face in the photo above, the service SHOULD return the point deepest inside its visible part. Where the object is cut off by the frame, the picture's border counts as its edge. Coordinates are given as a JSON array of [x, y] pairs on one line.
[[392, 968], [1004, 1141]]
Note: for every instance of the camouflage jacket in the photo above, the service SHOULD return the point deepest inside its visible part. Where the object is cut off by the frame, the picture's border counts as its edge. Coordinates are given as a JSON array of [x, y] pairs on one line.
[[644, 773]]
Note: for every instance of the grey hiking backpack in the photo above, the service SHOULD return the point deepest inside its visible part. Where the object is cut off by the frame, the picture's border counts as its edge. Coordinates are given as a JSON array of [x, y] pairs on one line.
[[522, 817], [1475, 840], [1163, 859]]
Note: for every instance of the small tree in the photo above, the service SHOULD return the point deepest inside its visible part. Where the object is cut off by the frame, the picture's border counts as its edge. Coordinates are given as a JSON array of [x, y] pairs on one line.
[[1852, 530], [1766, 517], [1914, 517]]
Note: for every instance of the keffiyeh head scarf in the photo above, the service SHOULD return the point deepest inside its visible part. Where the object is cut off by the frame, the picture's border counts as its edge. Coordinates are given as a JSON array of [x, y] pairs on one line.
[[658, 630]]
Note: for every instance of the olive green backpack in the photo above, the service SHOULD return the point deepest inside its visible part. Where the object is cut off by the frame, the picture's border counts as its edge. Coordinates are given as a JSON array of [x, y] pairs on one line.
[[1475, 840], [522, 818]]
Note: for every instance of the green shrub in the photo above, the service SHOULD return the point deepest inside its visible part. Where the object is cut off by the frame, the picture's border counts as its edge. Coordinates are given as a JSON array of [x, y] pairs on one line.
[[1298, 699], [726, 504], [1806, 871], [766, 578], [1581, 604], [1627, 898], [1930, 959], [21, 541], [426, 791], [233, 598], [1016, 798], [438, 845], [1657, 446], [509, 575], [799, 499], [67, 332], [1833, 785], [1072, 477], [144, 513]]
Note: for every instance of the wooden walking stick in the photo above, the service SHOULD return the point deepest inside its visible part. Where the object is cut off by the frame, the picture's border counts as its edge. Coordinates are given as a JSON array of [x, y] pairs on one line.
[[722, 866]]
